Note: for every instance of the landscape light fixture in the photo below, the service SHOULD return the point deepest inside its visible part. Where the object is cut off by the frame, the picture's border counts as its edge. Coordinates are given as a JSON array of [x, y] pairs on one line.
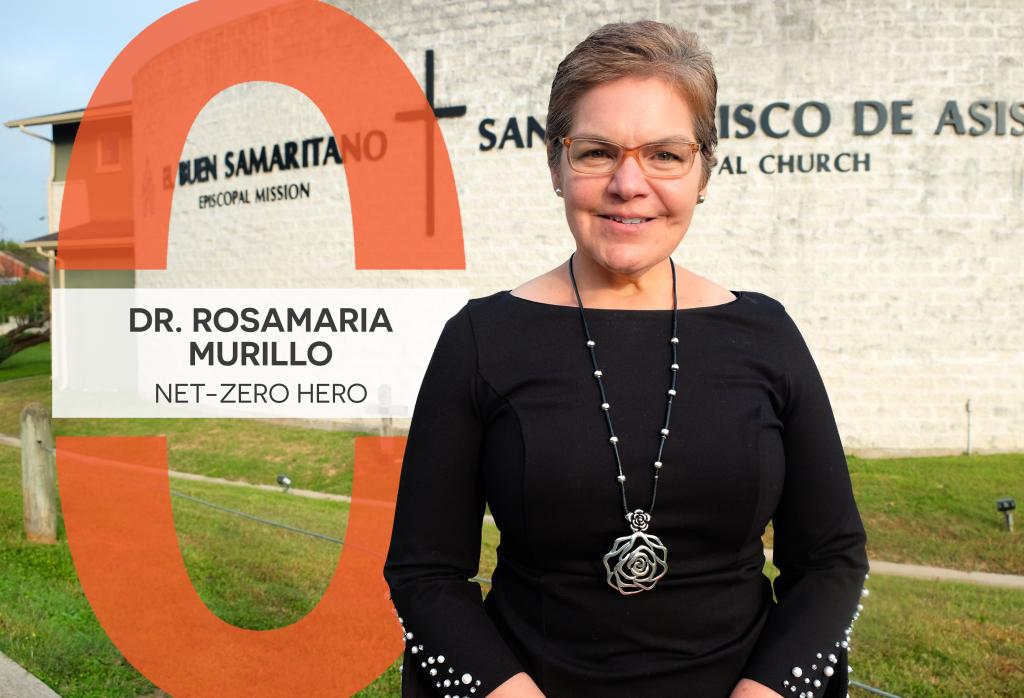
[[1007, 506]]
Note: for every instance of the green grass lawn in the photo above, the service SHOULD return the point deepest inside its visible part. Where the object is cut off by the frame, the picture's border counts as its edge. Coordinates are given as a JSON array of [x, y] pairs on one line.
[[917, 638], [914, 638], [940, 510], [15, 393], [250, 574], [33, 361]]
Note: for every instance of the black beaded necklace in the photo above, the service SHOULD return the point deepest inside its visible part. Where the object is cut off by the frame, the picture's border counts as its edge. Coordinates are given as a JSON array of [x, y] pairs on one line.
[[637, 561]]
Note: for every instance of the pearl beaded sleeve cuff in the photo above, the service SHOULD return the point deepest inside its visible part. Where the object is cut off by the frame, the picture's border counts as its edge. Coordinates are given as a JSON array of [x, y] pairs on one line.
[[808, 683]]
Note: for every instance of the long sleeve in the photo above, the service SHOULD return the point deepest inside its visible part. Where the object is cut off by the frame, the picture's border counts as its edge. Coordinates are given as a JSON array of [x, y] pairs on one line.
[[819, 545], [452, 646]]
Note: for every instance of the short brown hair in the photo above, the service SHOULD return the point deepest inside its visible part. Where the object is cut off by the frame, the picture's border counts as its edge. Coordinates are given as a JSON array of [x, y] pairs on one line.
[[636, 49]]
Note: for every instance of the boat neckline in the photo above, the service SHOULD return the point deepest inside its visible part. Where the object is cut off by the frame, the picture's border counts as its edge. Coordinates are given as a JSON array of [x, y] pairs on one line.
[[740, 295]]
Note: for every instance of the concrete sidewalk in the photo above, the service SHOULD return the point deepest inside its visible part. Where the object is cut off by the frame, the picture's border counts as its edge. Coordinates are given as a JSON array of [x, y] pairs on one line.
[[941, 574], [16, 682], [989, 579]]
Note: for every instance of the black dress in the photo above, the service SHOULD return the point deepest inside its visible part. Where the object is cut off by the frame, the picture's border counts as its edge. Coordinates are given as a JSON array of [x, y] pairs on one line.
[[509, 414]]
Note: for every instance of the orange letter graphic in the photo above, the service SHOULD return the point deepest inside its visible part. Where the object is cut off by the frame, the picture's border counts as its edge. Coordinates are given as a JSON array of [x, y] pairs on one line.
[[115, 491]]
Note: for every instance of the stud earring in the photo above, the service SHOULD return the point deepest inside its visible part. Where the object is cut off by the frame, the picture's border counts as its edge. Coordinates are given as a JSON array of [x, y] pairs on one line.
[[701, 198], [558, 192]]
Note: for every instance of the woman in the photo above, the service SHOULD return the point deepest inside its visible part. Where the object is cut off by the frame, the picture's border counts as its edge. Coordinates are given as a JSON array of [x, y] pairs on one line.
[[631, 454]]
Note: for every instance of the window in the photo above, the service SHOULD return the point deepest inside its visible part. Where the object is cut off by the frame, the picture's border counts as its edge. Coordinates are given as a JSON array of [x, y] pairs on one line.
[[108, 152]]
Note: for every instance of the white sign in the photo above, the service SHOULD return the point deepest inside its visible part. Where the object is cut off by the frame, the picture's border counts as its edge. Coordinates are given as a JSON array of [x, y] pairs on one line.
[[296, 353]]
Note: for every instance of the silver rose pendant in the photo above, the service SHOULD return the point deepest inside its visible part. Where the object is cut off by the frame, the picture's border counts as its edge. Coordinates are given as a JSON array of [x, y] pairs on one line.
[[636, 562]]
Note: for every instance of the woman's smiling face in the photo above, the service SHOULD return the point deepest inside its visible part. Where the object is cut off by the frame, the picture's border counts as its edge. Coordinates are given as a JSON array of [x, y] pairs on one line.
[[629, 111]]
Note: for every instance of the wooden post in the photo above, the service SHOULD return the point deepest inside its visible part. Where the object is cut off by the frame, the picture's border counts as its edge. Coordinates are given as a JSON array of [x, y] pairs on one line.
[[38, 474], [384, 395]]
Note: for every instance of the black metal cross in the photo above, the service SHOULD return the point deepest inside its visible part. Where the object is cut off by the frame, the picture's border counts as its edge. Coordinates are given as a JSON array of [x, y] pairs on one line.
[[423, 115]]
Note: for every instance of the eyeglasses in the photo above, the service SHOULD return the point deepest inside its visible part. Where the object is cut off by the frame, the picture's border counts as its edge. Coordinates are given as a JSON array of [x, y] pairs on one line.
[[665, 160]]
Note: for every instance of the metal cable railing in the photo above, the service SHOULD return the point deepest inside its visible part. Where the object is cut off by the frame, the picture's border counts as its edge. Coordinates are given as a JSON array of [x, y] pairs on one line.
[[258, 519], [872, 689], [278, 524]]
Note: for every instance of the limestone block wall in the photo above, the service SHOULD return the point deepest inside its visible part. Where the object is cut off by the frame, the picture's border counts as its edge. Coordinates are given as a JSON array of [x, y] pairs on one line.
[[904, 272]]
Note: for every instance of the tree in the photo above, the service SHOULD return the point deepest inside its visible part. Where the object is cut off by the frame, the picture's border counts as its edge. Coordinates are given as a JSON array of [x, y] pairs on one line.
[[28, 304], [26, 254]]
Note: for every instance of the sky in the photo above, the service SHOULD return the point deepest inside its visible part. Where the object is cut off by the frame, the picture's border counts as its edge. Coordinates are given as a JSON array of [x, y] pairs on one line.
[[52, 55]]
